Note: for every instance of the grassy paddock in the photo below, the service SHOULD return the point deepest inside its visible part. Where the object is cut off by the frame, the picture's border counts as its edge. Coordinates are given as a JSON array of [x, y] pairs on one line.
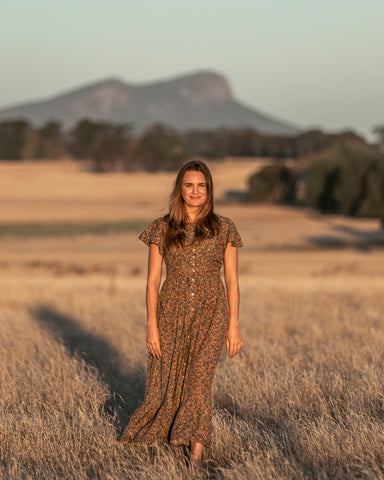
[[303, 400]]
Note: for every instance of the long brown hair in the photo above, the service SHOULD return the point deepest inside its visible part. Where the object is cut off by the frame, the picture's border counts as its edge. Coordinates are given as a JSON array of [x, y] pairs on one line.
[[207, 224]]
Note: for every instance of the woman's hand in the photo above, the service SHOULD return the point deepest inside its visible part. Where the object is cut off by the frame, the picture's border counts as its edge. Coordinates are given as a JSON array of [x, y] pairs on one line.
[[153, 340], [155, 263], [234, 340]]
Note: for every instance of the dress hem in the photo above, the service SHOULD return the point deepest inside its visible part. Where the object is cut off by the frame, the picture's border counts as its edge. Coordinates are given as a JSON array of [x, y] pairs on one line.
[[176, 442]]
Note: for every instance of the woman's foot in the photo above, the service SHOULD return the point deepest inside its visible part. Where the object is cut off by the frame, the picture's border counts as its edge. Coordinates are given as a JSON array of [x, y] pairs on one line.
[[196, 456], [196, 464]]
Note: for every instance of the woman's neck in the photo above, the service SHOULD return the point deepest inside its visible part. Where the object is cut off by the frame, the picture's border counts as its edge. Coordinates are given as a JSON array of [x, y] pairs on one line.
[[191, 216], [191, 219]]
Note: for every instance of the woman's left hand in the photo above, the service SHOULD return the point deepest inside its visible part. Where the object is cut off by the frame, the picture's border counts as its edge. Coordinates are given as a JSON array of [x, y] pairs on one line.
[[234, 340]]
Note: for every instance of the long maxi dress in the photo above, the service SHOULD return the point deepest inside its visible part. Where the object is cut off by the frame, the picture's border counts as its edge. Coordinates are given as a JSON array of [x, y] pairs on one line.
[[193, 318]]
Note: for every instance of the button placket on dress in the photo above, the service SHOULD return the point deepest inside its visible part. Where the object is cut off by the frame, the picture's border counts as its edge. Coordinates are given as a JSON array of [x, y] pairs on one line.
[[193, 278]]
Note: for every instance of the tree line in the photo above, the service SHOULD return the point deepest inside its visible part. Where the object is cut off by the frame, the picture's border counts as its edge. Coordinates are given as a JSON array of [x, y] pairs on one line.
[[115, 146]]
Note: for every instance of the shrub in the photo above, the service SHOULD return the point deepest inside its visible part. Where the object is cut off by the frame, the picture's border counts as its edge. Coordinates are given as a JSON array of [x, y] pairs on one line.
[[273, 183]]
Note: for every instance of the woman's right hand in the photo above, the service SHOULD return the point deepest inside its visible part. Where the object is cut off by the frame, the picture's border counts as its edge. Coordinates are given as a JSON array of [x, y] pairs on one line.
[[153, 340]]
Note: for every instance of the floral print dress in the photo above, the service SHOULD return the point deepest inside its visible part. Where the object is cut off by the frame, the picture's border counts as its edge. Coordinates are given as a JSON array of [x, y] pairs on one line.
[[193, 320]]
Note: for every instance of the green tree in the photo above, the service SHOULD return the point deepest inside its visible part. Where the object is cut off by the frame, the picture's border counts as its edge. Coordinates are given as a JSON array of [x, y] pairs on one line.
[[372, 203], [378, 130], [109, 146], [17, 140], [347, 182], [160, 148], [51, 141]]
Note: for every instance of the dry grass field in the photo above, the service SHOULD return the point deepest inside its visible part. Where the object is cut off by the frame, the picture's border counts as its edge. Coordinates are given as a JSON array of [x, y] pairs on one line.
[[303, 400]]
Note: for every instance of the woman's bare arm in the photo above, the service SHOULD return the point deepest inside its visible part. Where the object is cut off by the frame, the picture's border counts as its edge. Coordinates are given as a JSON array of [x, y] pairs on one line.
[[155, 263], [234, 340]]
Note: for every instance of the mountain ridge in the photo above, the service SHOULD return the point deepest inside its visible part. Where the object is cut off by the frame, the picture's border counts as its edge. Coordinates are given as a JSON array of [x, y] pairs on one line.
[[202, 99]]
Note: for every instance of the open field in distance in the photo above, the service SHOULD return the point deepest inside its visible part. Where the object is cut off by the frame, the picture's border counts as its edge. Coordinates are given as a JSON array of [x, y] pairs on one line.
[[303, 400]]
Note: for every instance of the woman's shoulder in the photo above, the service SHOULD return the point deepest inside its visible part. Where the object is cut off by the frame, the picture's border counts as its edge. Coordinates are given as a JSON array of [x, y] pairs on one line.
[[157, 228], [160, 222], [224, 221], [155, 233], [229, 231]]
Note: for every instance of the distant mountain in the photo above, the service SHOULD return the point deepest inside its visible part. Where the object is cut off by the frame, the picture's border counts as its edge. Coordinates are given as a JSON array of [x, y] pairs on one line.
[[201, 100]]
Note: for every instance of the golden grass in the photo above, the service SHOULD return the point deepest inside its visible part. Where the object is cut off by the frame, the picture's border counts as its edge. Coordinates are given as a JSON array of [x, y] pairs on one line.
[[303, 400]]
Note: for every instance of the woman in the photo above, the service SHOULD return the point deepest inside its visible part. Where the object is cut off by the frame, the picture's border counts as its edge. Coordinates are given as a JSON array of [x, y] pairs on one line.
[[189, 321]]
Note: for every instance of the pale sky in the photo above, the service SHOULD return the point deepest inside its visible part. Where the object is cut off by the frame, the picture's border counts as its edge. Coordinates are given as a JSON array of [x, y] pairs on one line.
[[312, 63]]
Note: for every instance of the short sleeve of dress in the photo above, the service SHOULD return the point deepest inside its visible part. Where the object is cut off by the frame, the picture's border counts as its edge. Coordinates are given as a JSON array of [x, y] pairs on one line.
[[154, 233], [233, 235]]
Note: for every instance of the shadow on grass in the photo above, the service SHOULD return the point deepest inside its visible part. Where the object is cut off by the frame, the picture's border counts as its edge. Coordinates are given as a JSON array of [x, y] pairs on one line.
[[353, 238], [371, 237], [57, 229], [126, 385]]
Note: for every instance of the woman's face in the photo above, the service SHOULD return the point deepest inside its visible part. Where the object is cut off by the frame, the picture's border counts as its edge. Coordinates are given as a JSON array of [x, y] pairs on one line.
[[194, 189]]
